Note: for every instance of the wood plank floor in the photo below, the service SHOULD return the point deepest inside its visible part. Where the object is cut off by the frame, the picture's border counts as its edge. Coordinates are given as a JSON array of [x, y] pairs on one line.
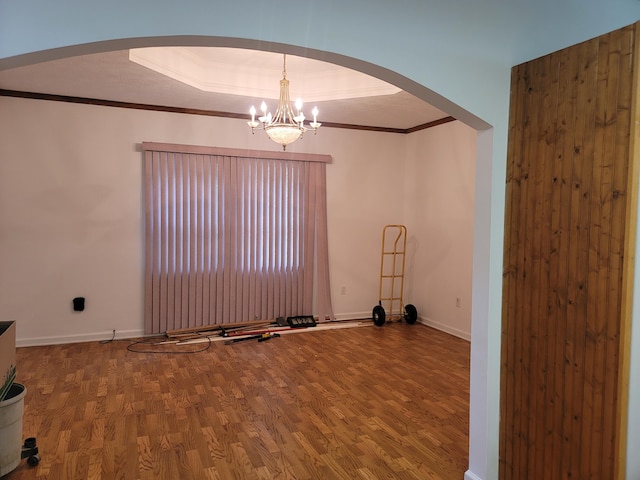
[[357, 403]]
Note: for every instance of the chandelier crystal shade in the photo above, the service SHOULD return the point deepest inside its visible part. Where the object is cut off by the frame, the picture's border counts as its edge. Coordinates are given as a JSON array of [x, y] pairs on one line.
[[285, 126]]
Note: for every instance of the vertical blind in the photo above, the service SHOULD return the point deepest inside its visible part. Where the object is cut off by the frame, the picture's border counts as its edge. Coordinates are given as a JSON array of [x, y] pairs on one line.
[[233, 235]]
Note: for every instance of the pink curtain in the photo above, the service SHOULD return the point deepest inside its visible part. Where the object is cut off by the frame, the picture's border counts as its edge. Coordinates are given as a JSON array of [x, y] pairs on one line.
[[233, 235]]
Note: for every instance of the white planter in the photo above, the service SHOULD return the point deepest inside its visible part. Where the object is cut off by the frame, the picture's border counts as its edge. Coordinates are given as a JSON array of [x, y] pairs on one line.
[[11, 410], [7, 357]]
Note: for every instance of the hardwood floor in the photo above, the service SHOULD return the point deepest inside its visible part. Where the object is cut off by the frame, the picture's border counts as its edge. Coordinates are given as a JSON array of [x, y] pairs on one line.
[[356, 403]]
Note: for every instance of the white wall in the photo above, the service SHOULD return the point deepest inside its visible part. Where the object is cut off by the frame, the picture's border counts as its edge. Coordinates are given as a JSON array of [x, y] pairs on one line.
[[439, 205], [633, 432], [362, 198], [72, 214], [71, 210]]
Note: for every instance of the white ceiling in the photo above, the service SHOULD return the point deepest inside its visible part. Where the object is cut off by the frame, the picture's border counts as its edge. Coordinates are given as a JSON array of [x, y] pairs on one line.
[[112, 76]]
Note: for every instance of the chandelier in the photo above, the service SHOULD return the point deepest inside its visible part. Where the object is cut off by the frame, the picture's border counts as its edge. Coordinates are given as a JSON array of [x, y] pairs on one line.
[[285, 126]]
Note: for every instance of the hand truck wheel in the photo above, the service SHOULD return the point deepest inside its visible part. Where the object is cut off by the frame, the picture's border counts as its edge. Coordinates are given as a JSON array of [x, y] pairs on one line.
[[410, 314], [378, 315]]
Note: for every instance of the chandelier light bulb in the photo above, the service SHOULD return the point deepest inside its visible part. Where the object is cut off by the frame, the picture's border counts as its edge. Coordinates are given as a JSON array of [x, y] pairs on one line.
[[253, 124], [315, 124]]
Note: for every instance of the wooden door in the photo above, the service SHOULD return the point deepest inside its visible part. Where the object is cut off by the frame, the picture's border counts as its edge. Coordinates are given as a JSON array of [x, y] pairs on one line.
[[569, 243]]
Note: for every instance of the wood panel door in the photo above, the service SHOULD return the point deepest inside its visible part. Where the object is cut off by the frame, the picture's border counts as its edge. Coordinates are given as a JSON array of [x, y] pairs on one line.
[[569, 246]]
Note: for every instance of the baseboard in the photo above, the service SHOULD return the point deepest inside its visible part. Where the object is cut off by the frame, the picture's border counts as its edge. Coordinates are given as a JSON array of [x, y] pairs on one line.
[[352, 316], [443, 327], [469, 475], [124, 334], [84, 337]]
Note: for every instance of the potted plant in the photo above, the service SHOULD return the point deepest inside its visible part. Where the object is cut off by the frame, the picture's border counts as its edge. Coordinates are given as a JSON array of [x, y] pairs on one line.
[[11, 401], [7, 357]]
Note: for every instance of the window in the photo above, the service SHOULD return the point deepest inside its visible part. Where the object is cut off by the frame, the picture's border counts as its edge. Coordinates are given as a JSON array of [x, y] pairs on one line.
[[233, 235]]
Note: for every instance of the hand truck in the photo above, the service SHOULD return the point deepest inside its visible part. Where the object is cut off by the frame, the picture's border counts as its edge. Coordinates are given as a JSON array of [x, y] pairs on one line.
[[394, 246]]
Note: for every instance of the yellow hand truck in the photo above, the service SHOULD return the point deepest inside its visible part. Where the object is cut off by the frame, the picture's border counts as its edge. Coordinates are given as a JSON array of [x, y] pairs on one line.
[[394, 246]]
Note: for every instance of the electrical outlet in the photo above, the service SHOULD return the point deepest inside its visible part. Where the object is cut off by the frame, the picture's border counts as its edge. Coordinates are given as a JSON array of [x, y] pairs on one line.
[[458, 302]]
